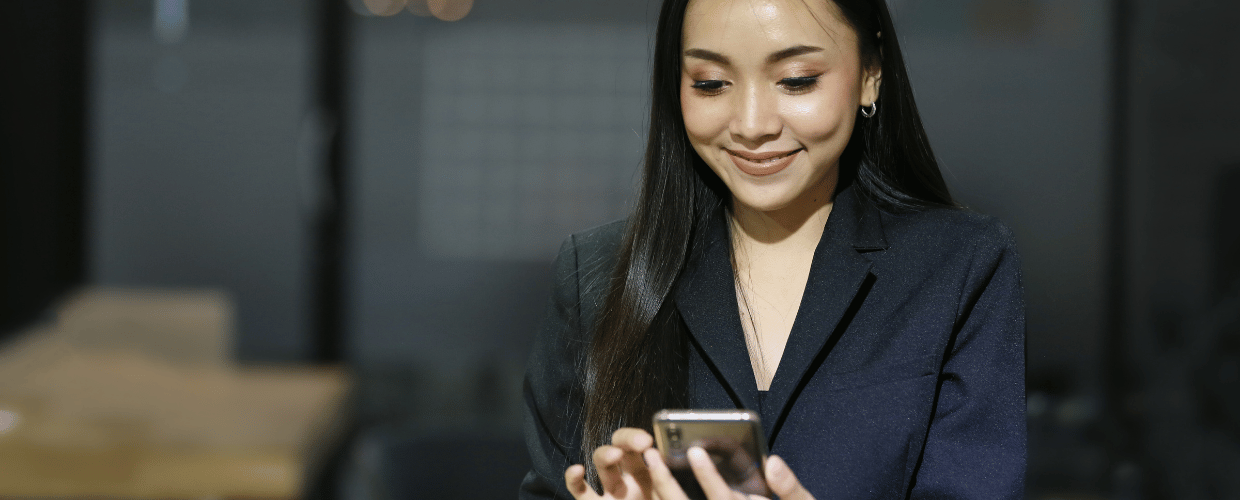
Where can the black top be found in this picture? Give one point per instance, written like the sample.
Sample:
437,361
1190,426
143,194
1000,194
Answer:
903,375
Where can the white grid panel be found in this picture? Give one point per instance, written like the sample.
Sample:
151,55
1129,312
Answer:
529,133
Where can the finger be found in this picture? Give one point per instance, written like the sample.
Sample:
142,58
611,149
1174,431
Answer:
661,478
631,439
634,442
783,482
708,477
610,473
575,480
635,468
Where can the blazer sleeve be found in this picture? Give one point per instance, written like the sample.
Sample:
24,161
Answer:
551,390
976,443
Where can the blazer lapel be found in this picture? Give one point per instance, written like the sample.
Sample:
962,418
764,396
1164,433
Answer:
839,277
705,296
706,299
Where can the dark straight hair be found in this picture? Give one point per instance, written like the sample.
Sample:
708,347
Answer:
636,363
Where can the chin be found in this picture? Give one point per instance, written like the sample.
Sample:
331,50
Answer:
761,202
774,196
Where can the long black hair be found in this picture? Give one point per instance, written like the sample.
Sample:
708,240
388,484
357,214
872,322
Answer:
636,362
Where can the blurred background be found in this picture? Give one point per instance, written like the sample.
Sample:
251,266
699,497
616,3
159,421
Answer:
340,214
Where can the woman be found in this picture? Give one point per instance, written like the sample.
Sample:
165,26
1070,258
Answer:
794,251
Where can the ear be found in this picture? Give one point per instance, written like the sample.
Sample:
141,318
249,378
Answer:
872,76
871,83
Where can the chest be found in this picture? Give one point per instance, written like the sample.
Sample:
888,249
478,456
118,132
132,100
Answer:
768,298
853,400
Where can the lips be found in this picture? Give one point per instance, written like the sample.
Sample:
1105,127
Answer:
760,164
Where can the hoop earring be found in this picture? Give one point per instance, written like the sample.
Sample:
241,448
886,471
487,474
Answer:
872,109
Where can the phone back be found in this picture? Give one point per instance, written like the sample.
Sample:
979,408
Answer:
732,438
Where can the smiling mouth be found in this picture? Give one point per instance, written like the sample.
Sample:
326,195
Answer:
763,157
762,164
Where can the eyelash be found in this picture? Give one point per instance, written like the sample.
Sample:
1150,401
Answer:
795,85
708,87
800,84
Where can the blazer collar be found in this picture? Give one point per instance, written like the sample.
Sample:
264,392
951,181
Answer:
705,296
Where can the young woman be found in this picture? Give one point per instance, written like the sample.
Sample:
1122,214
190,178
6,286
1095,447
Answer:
794,251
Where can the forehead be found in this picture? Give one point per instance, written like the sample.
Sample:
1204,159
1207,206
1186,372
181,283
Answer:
756,24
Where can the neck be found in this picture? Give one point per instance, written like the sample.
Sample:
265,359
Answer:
796,227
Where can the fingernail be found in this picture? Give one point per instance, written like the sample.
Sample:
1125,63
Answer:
697,453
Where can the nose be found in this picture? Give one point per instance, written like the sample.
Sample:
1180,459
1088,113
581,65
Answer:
755,118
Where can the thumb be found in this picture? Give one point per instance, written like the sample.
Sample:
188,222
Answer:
783,482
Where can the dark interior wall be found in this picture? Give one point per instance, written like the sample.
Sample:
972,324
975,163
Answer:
1185,130
519,89
1224,236
204,171
43,149
1181,381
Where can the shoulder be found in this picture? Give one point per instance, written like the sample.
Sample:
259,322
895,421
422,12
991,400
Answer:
949,229
597,242
589,252
584,267
947,243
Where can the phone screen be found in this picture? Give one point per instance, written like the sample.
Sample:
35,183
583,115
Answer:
732,438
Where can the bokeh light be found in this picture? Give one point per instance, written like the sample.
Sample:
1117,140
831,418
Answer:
450,10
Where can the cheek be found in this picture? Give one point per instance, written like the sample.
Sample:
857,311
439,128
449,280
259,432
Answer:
819,119
704,118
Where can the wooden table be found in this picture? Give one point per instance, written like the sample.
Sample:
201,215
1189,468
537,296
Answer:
123,424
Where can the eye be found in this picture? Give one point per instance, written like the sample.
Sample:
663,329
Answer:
709,87
799,83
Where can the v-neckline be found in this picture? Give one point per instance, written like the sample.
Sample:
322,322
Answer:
706,299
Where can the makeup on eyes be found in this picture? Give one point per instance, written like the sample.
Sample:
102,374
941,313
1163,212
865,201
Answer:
791,74
709,85
795,85
800,84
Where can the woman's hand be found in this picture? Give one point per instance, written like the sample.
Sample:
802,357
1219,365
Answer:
632,469
779,478
621,469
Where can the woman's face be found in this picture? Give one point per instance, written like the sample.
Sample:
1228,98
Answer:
770,90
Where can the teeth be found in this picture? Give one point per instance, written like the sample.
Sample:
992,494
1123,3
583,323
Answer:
775,158
768,160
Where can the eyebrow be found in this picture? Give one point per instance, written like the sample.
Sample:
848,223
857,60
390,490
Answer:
709,56
775,57
793,51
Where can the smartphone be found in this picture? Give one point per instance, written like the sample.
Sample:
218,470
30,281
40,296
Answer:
733,439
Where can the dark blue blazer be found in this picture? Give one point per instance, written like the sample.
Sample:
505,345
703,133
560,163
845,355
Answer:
903,376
